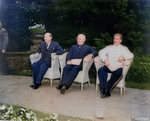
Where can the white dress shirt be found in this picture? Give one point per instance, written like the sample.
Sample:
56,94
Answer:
112,53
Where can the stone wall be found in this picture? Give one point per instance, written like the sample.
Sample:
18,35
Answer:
19,61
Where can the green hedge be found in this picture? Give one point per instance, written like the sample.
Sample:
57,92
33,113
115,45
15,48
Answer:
140,70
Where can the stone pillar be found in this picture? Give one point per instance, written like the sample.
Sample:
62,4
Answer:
37,39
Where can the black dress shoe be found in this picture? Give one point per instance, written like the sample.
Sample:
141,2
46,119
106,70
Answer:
32,85
107,94
103,95
36,86
63,89
58,87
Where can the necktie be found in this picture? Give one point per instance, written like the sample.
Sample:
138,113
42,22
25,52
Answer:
46,45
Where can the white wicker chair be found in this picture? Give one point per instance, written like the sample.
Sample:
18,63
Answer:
35,57
126,65
53,72
62,61
83,75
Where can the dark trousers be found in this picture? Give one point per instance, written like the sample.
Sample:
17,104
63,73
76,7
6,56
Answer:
70,72
39,69
3,63
102,74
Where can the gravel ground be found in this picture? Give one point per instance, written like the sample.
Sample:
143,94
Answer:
134,105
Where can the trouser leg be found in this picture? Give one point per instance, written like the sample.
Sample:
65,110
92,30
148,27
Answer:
114,77
35,70
43,68
3,63
70,72
39,69
102,74
66,71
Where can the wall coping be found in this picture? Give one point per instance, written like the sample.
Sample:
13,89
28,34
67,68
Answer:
19,53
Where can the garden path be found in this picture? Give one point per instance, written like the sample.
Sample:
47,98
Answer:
87,104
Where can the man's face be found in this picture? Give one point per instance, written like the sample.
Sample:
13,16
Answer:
117,40
47,38
81,39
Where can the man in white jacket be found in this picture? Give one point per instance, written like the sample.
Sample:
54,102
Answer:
113,57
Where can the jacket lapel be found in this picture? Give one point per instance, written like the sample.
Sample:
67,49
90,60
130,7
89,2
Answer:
50,46
45,46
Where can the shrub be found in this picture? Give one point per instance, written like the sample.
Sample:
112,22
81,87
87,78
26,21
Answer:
140,70
37,28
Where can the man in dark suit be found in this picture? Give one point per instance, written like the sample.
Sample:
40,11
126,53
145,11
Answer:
3,45
40,67
71,70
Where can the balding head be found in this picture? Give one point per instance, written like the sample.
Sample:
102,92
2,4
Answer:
47,37
81,39
48,33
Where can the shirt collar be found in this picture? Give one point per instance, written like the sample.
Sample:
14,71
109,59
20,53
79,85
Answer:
48,43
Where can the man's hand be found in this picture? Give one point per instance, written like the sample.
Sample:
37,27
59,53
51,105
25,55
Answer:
88,57
3,51
107,63
69,62
120,59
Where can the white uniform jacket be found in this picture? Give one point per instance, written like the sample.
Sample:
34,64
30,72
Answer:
112,53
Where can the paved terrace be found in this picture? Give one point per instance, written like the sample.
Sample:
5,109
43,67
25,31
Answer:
133,105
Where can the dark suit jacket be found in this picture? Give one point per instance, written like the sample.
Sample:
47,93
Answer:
3,39
79,53
54,47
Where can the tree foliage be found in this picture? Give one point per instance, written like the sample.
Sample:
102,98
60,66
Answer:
14,21
99,19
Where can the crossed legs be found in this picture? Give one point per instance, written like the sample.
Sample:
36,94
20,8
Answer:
105,85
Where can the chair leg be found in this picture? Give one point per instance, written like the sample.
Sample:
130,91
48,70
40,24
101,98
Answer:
96,87
120,91
81,86
51,82
124,88
89,83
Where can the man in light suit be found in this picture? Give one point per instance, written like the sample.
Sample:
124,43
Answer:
40,67
113,57
3,45
77,52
